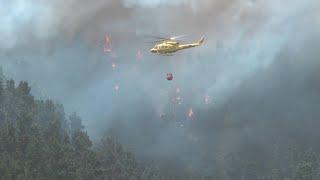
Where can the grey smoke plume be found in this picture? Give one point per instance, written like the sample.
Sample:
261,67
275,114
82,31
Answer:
255,52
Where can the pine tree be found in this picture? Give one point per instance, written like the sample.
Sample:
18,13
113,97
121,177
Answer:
85,159
8,143
116,162
58,152
35,161
75,123
24,100
9,104
150,172
307,168
2,95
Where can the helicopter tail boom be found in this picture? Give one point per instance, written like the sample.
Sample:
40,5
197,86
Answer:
201,40
185,46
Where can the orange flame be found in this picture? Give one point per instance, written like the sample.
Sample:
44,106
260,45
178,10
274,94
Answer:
113,65
107,44
190,113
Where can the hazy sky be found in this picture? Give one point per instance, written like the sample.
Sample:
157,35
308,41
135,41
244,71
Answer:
252,48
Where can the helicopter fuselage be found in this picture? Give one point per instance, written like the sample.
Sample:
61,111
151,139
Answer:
171,46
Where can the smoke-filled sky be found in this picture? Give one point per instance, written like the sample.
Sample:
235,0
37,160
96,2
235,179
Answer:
259,57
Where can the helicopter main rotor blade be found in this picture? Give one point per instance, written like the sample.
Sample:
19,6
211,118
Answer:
161,39
178,37
157,41
157,37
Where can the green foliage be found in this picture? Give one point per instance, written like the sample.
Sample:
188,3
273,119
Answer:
304,171
85,160
117,163
151,172
307,168
38,142
75,123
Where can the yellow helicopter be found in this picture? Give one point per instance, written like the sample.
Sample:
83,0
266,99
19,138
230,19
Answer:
167,46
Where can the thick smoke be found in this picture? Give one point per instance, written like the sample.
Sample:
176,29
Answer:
259,62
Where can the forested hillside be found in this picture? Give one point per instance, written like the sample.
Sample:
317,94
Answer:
38,141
